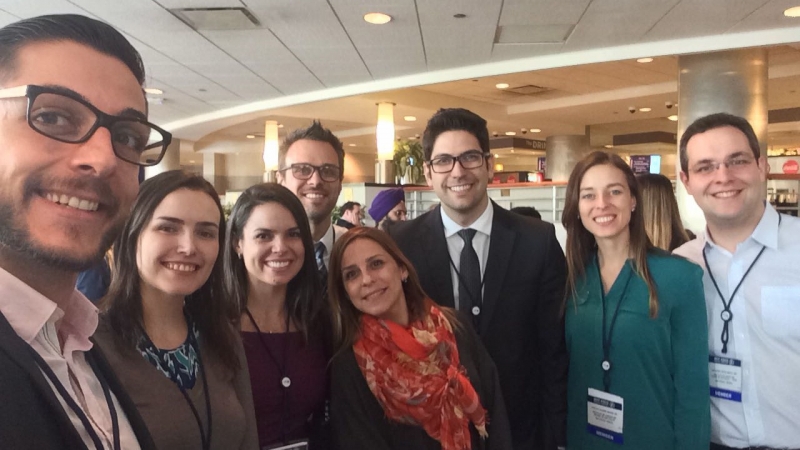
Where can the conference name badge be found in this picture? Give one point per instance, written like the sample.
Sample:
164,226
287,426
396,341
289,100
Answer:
604,415
725,378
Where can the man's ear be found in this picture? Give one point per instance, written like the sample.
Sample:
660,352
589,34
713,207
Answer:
684,179
428,175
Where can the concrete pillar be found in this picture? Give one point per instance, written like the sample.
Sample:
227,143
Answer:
171,160
732,81
563,152
214,170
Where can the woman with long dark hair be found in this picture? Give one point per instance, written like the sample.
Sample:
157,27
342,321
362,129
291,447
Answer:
407,374
167,327
271,276
635,322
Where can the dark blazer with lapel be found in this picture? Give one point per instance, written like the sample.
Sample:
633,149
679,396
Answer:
520,323
31,416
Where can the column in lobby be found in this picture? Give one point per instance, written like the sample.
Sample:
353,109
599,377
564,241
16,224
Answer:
171,160
734,82
563,152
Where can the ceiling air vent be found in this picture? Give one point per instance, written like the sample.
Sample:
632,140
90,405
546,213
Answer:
528,89
202,19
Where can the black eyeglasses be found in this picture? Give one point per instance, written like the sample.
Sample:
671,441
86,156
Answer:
302,171
471,159
62,115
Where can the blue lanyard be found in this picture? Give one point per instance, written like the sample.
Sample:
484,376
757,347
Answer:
606,364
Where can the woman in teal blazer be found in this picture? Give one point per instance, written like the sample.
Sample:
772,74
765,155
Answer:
636,325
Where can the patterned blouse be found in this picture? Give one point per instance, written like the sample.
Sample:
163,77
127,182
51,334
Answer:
179,364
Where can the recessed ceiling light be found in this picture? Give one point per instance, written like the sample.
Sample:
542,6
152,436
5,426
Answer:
536,130
251,136
154,91
501,85
496,155
511,133
673,117
351,145
608,146
644,60
377,18
280,125
409,118
645,109
191,161
792,12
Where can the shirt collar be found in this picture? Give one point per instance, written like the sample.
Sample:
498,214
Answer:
327,239
482,224
27,311
765,233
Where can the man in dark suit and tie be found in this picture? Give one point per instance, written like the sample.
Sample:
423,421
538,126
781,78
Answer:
503,272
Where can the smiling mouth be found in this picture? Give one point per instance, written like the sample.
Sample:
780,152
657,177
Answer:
604,219
725,194
373,294
460,187
181,267
313,196
72,202
277,264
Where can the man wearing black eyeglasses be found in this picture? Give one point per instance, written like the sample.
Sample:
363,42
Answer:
311,164
503,272
73,135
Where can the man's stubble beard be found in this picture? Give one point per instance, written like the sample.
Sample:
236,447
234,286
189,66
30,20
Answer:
17,239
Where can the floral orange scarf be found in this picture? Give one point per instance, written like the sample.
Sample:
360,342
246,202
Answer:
417,378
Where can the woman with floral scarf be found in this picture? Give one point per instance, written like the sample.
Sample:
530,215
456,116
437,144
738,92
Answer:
407,374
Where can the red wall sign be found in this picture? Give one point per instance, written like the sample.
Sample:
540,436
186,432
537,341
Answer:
790,166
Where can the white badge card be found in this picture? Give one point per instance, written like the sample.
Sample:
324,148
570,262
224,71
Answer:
604,415
725,378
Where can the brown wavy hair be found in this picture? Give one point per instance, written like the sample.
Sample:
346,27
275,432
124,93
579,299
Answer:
348,324
581,244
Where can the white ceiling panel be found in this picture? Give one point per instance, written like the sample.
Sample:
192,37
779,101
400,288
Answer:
173,4
542,12
451,42
27,8
388,50
7,18
616,22
702,18
770,15
313,32
264,54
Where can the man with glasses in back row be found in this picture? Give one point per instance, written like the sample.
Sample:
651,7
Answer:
751,258
503,272
73,134
311,162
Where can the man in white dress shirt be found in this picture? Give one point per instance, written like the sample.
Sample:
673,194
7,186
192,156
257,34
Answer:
751,257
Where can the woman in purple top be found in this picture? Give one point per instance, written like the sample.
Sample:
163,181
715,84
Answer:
271,273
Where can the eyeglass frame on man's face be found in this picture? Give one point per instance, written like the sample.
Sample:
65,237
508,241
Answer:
297,166
102,119
482,157
735,162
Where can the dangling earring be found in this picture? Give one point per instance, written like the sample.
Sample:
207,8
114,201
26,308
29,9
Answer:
405,280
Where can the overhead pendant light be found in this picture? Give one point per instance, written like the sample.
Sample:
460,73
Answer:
384,132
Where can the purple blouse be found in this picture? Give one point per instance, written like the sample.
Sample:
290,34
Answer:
283,413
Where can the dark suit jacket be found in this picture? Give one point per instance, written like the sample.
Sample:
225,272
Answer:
520,323
31,416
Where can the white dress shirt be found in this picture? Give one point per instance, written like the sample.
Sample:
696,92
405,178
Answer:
483,226
334,231
61,338
764,331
